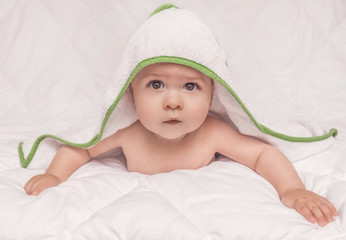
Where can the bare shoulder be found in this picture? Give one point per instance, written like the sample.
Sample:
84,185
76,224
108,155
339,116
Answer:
218,133
218,126
225,135
113,141
123,134
231,143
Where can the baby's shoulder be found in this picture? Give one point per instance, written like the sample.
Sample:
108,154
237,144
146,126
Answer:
129,130
217,126
215,123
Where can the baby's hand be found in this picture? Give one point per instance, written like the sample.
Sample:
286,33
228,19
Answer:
311,206
40,182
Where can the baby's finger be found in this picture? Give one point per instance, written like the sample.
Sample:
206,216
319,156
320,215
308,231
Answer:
36,192
327,212
318,214
306,213
37,189
28,187
333,210
324,202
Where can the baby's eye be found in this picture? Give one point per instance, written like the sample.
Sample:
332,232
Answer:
156,84
190,86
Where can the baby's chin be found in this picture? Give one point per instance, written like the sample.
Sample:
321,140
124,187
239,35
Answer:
172,132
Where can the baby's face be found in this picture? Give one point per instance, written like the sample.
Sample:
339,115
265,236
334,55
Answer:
171,100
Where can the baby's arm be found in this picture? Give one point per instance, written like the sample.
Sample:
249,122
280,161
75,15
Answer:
278,170
271,164
66,162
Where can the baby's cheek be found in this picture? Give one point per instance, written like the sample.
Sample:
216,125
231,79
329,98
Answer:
199,114
146,112
145,105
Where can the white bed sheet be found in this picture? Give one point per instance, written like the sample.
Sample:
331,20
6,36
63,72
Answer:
56,59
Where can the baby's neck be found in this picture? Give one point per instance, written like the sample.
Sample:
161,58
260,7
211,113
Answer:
169,142
163,142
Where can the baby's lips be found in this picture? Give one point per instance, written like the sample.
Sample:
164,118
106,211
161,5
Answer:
172,121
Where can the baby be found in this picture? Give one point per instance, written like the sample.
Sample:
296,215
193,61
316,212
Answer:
174,131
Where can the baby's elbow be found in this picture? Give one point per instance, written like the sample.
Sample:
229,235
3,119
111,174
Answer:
266,151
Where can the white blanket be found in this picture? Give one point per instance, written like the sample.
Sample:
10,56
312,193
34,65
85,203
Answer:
57,58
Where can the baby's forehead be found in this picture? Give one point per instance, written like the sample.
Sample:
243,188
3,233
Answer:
171,69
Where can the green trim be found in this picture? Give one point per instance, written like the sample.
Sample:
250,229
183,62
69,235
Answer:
162,7
24,162
168,59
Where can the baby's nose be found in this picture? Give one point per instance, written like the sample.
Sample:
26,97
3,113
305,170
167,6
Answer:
173,101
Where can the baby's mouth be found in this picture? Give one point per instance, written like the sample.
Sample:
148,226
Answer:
172,121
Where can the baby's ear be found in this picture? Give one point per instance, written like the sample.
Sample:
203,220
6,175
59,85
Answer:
130,89
212,91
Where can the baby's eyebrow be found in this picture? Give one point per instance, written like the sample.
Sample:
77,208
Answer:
201,78
153,75
194,78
